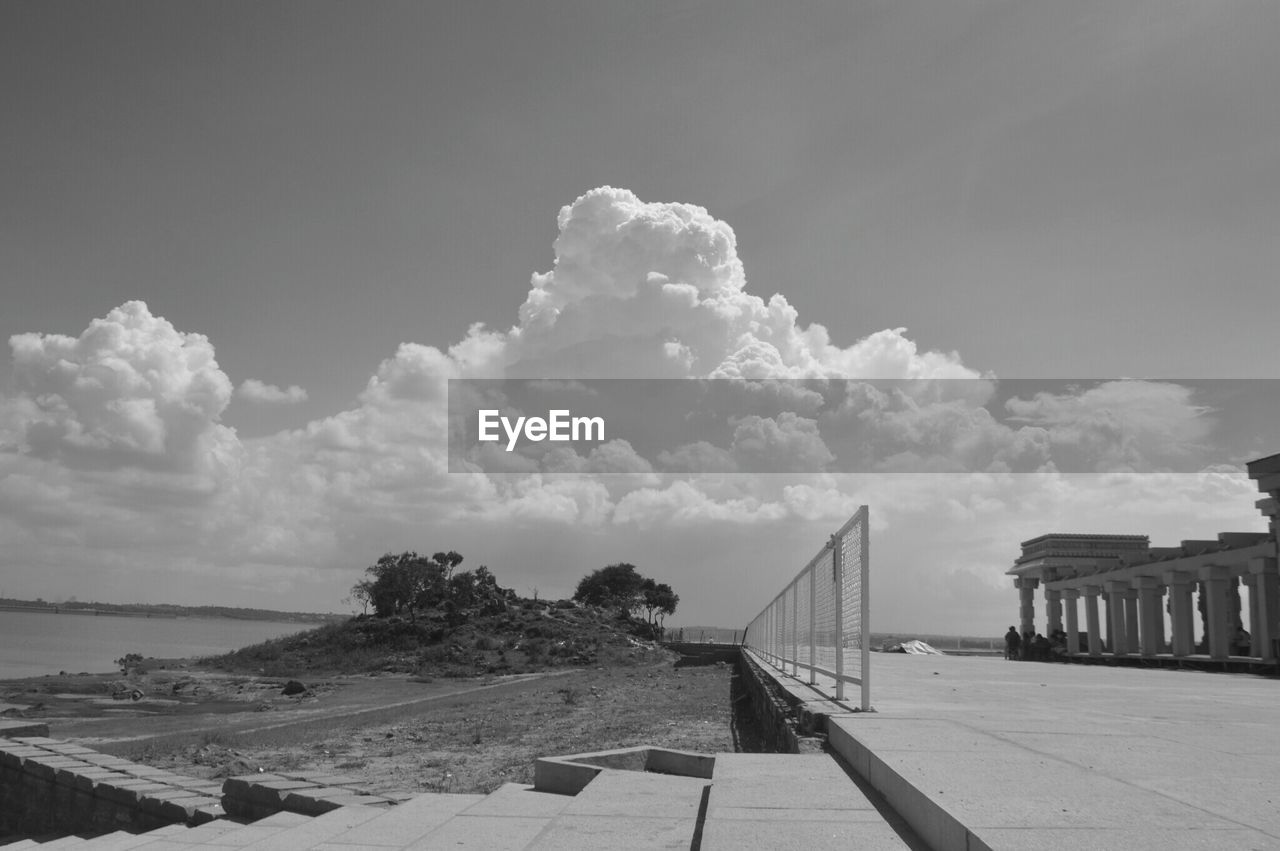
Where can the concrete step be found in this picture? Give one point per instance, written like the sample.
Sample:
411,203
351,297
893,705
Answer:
627,809
121,840
403,825
319,829
181,836
519,799
263,830
507,819
791,801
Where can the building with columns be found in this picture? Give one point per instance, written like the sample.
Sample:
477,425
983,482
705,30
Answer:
1127,586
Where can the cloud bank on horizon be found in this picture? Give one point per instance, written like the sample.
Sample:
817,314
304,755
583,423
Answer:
114,460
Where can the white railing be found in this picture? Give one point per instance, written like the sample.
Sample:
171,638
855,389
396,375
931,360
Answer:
820,622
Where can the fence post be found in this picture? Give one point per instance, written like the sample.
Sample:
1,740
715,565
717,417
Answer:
837,577
795,628
865,579
782,631
813,626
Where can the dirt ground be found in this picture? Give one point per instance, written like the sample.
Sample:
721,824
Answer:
394,733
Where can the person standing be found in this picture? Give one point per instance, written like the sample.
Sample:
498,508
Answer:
1012,644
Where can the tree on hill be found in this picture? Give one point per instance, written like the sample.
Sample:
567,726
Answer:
621,585
658,601
616,585
408,583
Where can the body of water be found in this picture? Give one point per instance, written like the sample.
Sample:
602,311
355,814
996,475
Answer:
37,643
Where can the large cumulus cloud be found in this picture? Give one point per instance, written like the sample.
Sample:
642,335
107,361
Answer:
657,290
130,391
113,441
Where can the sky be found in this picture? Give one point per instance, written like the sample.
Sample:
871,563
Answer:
244,246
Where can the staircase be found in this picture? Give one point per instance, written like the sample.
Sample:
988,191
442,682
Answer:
749,800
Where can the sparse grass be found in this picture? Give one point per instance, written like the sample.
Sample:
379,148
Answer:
472,743
212,737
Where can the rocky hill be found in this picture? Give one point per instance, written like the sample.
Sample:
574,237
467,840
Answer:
525,635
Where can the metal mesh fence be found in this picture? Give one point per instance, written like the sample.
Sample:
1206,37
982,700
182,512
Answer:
818,625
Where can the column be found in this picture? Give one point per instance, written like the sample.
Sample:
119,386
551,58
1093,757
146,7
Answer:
1053,609
1150,598
1119,632
1027,593
1181,613
1250,581
1110,641
1202,595
1233,604
1131,636
1267,583
1073,624
1215,578
1091,619
1157,620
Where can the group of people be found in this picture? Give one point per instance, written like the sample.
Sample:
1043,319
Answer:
1034,647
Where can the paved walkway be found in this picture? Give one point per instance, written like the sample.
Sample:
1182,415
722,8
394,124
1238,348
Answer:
980,753
773,801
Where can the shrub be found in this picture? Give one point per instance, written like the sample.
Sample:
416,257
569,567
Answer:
129,660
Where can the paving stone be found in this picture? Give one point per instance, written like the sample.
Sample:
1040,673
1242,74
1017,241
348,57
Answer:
784,781
120,841
987,754
1145,839
595,832
488,833
792,835
634,793
319,829
245,835
408,822
283,819
518,799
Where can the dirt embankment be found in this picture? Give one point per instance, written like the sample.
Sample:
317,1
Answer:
395,732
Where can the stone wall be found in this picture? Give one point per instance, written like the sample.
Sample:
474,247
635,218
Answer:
785,723
52,786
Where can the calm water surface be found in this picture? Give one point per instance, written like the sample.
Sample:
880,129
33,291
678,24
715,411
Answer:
36,643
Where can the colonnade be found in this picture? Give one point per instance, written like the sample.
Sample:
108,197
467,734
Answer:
1135,599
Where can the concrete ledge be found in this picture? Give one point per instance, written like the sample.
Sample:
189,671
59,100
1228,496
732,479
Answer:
568,775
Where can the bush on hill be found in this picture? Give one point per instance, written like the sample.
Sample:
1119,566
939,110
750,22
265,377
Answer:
528,636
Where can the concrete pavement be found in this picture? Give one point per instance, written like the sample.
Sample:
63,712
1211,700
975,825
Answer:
980,753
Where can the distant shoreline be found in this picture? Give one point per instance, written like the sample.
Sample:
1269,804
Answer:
63,610
166,611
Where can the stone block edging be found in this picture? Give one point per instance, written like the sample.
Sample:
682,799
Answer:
256,796
49,784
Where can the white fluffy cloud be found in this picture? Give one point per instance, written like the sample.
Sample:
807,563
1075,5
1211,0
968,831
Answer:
112,449
130,391
1124,424
658,291
253,390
